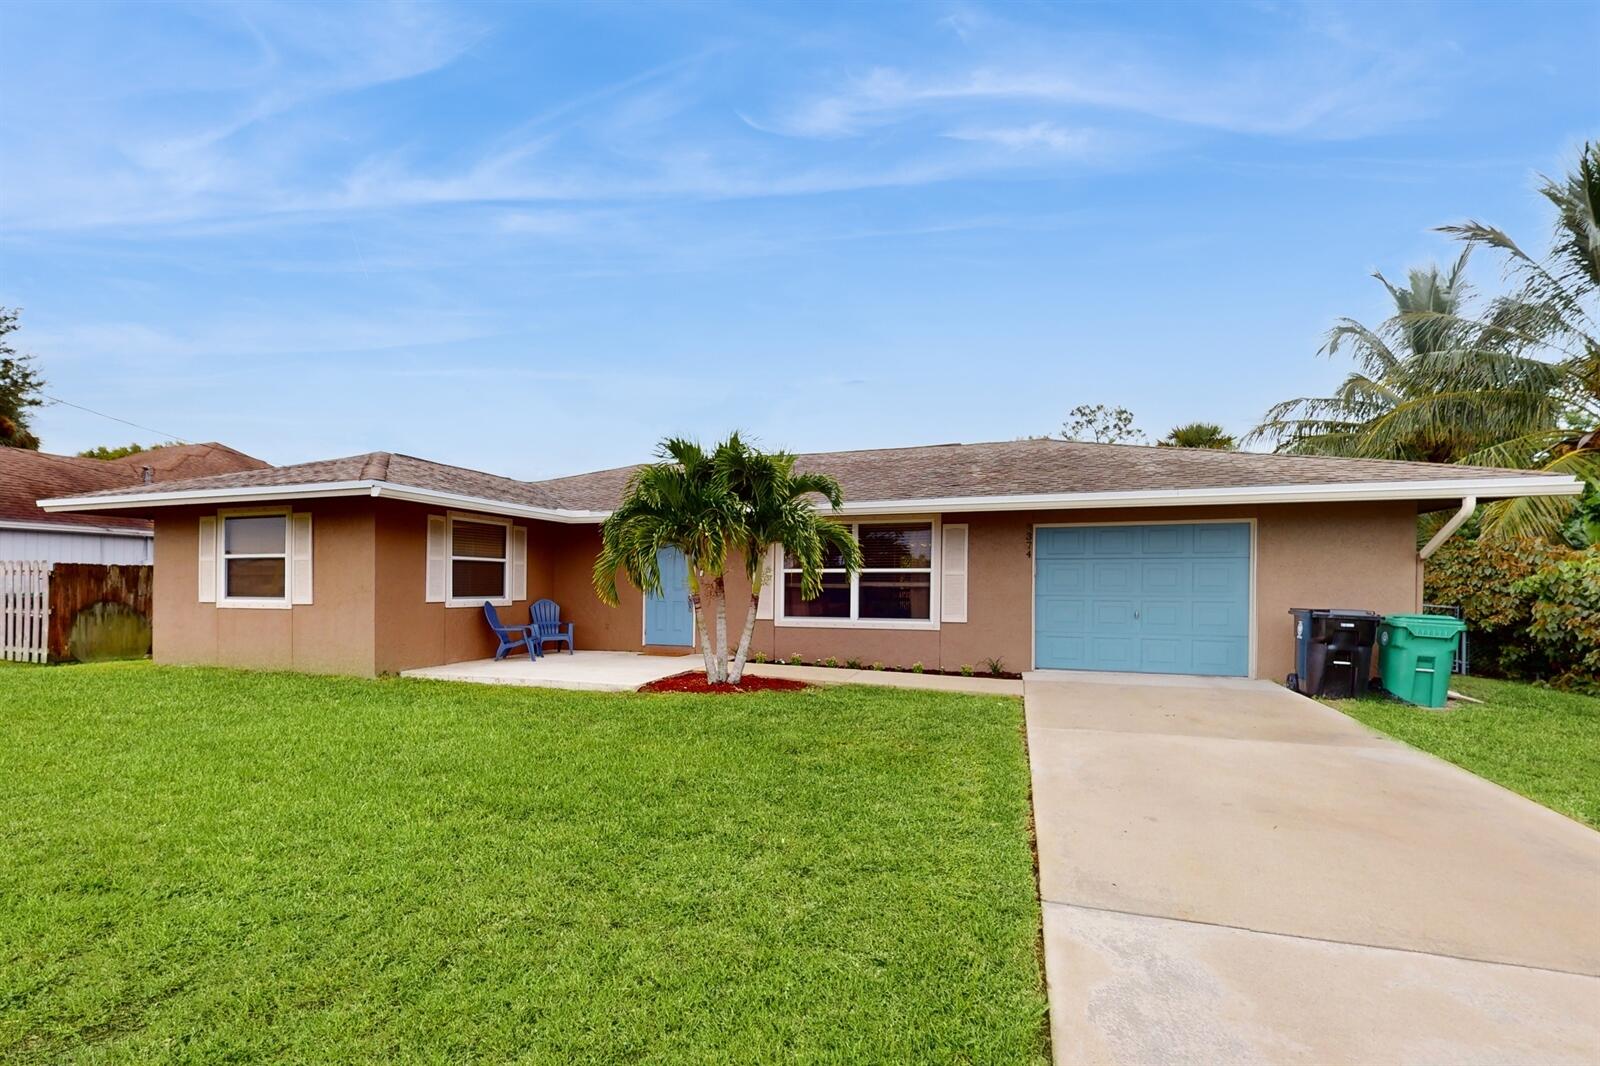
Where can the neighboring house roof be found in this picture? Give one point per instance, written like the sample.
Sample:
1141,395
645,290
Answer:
1007,475
27,476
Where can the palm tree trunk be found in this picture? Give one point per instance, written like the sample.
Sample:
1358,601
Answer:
736,674
705,637
719,590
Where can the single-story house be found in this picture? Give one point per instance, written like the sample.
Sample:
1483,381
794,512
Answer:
30,534
1039,553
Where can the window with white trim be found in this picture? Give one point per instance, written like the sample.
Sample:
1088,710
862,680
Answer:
479,559
894,584
255,559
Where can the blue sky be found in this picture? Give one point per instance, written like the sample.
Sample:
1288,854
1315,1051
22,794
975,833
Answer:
535,239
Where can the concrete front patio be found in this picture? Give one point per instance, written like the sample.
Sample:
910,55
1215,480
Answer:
592,671
625,671
1233,873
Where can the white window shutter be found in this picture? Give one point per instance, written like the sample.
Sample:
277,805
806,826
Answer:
208,560
438,558
300,558
519,562
953,575
769,575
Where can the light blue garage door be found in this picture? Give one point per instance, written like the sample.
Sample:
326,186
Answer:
1166,599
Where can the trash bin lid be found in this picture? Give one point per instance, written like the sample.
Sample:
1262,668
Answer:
1439,626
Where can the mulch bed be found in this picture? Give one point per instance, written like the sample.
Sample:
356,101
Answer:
695,681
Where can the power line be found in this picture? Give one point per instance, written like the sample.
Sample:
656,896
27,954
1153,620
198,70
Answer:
114,418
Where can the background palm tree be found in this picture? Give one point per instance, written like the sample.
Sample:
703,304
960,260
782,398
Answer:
777,510
1518,385
1199,435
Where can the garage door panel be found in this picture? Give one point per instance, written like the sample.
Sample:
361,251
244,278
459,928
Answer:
1165,540
1059,615
1151,598
1114,540
1165,617
1165,577
1063,577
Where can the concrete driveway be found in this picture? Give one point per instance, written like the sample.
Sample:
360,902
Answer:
1232,873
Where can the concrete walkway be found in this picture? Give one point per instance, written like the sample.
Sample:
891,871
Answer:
1233,873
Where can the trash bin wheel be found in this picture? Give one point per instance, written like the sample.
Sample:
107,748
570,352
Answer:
1292,682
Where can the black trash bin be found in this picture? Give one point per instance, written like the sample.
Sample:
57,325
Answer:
1333,651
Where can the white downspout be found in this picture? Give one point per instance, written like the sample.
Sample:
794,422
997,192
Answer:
1468,505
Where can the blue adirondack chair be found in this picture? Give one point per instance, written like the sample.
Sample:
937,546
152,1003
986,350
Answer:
510,637
546,617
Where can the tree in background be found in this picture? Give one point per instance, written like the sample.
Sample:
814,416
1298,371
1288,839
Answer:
1199,435
1099,424
120,451
1517,385
20,387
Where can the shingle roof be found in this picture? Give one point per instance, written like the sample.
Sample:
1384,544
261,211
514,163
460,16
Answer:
1047,467
371,466
26,476
1005,468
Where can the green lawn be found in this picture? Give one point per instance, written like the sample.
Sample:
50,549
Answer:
208,865
1537,741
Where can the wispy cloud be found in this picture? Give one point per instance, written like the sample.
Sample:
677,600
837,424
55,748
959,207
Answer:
1045,135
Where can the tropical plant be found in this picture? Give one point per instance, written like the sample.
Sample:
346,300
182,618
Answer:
1199,435
710,506
20,388
1566,618
120,451
677,502
1516,385
1099,424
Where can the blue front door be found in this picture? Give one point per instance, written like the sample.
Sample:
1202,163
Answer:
669,617
1160,599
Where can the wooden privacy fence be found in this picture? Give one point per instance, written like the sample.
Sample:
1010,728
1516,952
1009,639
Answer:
24,611
82,611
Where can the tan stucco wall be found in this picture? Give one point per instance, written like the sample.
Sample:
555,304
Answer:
1307,555
412,632
369,615
332,634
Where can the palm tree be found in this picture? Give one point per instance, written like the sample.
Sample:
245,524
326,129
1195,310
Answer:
1199,435
1518,385
678,502
708,506
776,510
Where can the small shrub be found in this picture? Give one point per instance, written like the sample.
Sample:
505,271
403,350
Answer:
830,662
877,665
853,664
759,657
797,660
996,666
1565,622
916,668
966,671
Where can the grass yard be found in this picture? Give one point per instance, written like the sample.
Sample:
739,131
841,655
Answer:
208,864
1537,741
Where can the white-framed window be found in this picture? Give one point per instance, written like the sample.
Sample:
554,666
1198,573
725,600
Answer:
253,559
896,587
480,560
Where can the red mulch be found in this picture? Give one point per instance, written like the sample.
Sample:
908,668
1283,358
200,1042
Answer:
695,681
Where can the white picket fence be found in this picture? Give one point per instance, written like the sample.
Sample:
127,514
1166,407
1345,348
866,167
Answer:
24,611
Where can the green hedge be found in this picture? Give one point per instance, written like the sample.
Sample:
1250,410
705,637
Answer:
1530,606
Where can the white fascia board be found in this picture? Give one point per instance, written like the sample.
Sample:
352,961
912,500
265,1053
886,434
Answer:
84,530
183,497
313,491
1442,489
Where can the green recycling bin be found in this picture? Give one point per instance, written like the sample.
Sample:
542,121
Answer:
1415,655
